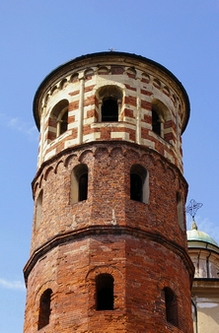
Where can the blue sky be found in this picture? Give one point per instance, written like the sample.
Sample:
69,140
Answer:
36,36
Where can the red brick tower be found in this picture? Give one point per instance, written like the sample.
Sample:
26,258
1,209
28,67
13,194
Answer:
109,249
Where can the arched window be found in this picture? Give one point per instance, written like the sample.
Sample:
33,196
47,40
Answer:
104,292
45,308
82,186
79,183
180,211
38,213
156,123
63,122
171,306
161,120
109,109
139,183
58,121
109,101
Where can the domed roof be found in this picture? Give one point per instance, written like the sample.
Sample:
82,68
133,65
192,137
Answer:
200,236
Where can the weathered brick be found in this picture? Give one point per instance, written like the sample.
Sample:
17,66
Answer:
140,244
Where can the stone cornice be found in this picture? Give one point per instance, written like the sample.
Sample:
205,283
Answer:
205,287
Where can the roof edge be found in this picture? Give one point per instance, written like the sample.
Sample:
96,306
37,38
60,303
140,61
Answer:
109,53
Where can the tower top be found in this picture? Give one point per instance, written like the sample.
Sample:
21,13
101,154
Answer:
98,59
111,96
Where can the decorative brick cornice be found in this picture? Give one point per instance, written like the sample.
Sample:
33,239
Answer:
94,145
99,58
106,230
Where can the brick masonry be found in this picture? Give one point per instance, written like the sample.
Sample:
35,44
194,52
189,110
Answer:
142,245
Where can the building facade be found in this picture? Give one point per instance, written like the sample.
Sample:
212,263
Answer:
109,247
204,252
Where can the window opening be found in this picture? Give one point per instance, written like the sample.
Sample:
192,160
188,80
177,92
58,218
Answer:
156,124
139,184
136,187
180,211
104,292
83,182
64,123
109,109
38,216
171,306
161,121
45,309
58,121
79,183
109,100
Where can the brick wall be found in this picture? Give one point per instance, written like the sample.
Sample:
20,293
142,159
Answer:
141,244
145,243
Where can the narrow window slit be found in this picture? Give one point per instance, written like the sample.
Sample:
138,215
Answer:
45,309
104,292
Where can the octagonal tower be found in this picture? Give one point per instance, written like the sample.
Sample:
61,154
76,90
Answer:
109,248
